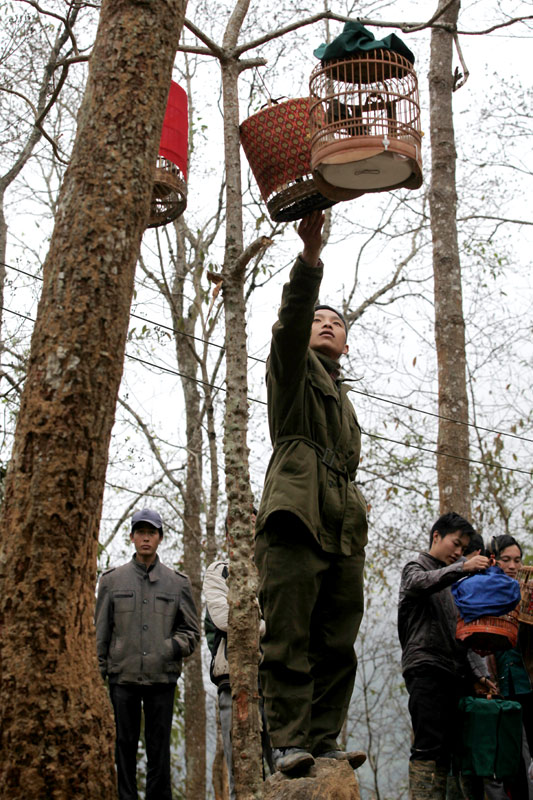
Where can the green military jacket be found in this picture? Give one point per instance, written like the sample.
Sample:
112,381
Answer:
313,427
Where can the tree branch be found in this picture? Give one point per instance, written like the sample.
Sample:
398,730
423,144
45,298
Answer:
495,27
251,251
213,47
495,219
151,441
128,511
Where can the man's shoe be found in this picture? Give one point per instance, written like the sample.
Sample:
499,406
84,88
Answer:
354,757
292,759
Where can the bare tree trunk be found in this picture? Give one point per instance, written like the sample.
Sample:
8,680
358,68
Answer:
195,716
452,467
55,721
243,634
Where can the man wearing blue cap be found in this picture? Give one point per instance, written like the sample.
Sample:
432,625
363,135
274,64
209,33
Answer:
146,623
311,527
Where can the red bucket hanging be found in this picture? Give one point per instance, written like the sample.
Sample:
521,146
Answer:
169,193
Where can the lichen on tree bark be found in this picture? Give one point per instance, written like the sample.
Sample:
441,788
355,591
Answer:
55,721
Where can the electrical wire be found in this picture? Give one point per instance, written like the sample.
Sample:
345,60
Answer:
365,433
356,391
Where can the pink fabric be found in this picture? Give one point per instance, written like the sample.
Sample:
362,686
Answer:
175,133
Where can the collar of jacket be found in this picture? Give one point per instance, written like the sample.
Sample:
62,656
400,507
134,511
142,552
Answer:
332,367
430,560
153,569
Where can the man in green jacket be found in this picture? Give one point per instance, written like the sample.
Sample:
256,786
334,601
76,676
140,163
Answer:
311,527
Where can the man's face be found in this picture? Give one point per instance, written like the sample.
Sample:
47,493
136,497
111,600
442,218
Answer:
146,539
328,334
450,547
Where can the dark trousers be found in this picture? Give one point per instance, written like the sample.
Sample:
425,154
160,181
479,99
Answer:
433,699
158,704
312,603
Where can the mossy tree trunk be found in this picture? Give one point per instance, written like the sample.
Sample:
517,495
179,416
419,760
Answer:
55,720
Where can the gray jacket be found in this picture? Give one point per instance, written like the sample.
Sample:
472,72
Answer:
427,618
146,623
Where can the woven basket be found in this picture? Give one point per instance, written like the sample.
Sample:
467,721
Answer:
276,144
525,609
489,634
365,125
169,194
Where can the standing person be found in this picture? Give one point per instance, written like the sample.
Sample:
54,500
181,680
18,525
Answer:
513,669
311,528
215,590
438,670
146,623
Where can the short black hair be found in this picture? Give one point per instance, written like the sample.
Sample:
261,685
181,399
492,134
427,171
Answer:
500,543
449,523
476,543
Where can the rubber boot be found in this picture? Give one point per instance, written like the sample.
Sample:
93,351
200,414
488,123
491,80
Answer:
453,790
471,787
426,781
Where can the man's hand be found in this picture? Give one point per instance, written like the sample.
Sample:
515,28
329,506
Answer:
476,563
310,232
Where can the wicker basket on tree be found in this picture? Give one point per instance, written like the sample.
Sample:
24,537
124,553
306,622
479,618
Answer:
276,143
525,579
364,116
169,193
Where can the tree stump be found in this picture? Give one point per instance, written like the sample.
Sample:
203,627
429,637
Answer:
326,780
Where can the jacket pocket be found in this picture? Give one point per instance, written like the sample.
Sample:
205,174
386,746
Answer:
124,601
165,603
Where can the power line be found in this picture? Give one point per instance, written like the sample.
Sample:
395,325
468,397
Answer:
143,319
441,416
357,391
370,435
449,455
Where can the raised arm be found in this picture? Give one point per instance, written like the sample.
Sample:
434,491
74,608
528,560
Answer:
310,232
290,334
418,581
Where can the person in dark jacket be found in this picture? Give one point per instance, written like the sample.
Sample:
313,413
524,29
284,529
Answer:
311,529
146,623
437,669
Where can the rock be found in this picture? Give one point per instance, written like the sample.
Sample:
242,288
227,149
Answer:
326,780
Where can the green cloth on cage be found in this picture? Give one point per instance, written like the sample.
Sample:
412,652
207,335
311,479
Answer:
355,38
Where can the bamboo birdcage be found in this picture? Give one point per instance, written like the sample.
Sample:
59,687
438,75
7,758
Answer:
276,143
365,125
489,634
525,609
169,191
